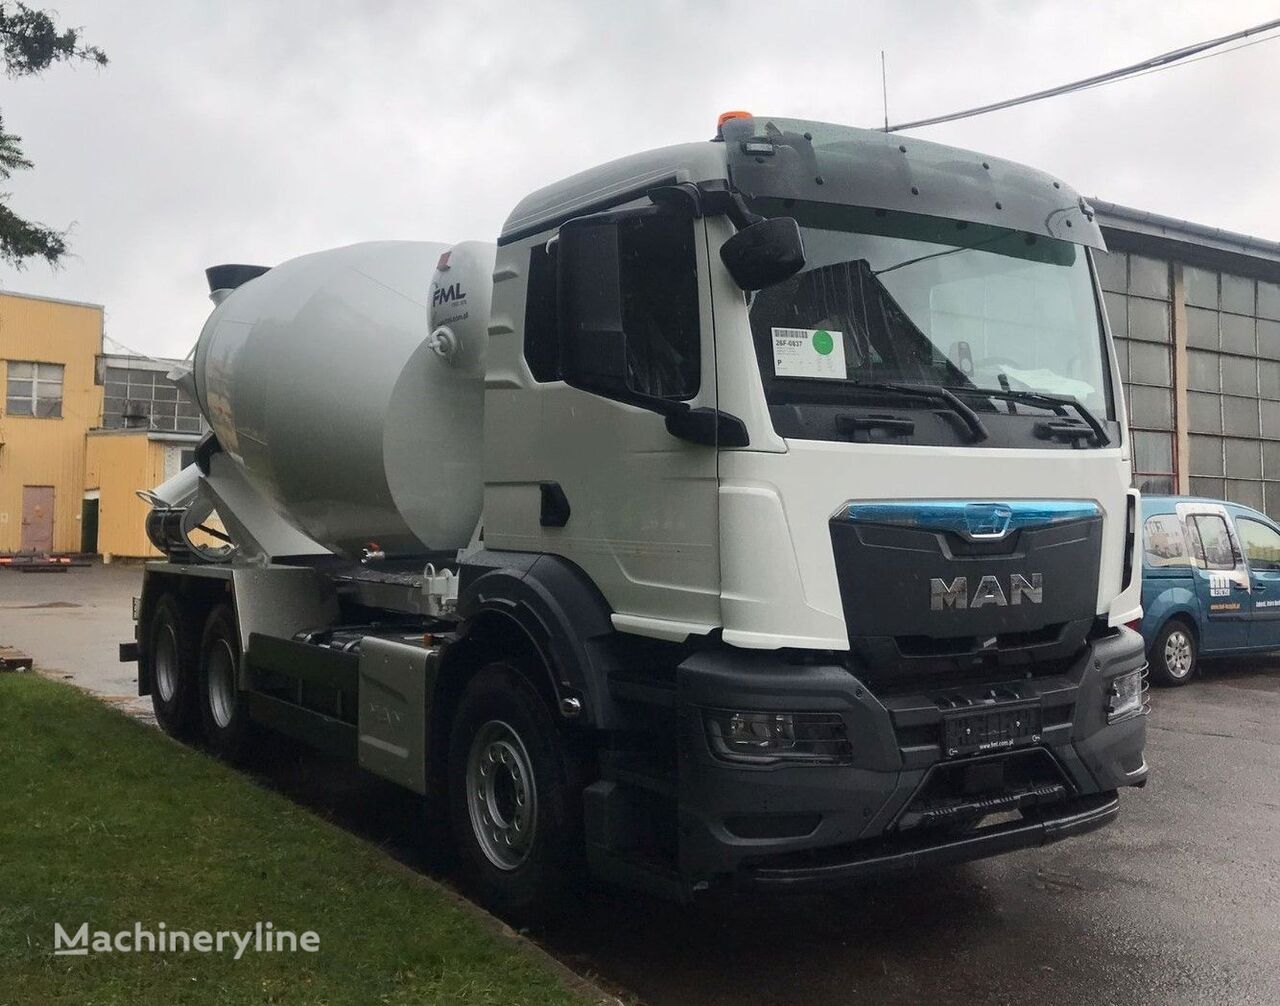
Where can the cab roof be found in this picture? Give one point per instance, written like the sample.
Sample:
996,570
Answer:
796,159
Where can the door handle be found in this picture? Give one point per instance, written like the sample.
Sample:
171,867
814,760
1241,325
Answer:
1260,588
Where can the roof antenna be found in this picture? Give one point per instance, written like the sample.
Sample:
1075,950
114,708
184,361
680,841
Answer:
884,90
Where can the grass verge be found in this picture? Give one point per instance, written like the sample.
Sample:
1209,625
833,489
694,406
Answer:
107,822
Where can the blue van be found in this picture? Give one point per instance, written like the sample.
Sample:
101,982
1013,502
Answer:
1210,583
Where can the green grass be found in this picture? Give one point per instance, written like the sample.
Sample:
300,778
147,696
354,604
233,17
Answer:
105,821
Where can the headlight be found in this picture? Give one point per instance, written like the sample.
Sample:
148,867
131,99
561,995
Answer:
1127,695
768,738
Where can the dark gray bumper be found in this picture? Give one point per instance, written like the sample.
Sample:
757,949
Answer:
751,820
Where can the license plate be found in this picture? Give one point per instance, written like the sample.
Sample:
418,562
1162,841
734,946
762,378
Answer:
990,728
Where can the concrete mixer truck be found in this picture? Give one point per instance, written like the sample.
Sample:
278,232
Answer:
754,512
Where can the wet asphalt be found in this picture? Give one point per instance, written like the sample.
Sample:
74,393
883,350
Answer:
1177,902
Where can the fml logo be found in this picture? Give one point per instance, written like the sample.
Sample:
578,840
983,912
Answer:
449,294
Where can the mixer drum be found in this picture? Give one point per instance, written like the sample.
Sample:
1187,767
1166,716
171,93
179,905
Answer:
321,378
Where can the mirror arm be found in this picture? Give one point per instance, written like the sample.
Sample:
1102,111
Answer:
719,199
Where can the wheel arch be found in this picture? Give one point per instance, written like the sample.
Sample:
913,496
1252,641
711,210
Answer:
1187,618
194,596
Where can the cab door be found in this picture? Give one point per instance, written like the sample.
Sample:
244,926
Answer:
639,502
1221,577
1260,541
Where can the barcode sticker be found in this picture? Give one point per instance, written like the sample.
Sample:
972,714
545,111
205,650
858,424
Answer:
808,352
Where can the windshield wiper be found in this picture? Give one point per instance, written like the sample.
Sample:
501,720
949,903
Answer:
1056,403
936,393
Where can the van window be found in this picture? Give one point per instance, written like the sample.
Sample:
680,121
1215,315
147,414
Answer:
1163,542
1212,542
1260,542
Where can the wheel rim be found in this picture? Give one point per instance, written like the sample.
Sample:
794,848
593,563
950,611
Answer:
502,798
1178,653
221,670
165,662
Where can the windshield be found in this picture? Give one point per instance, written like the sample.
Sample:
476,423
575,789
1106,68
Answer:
896,297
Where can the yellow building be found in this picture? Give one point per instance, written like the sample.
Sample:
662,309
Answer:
117,464
48,349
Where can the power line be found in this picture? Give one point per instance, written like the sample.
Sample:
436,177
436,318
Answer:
1162,62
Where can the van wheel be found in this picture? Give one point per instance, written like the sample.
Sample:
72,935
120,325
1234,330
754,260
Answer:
172,649
1173,654
224,708
515,796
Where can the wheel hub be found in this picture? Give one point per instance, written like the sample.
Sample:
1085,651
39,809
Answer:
222,683
502,798
1177,654
165,662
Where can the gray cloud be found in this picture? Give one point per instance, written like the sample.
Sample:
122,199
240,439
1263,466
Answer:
246,131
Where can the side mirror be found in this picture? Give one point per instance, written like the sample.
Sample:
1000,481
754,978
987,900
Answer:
593,342
764,253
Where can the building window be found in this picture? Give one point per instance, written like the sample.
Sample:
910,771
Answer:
1137,292
137,398
34,389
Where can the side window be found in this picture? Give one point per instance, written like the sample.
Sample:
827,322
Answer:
541,339
1214,550
660,306
1261,543
1163,542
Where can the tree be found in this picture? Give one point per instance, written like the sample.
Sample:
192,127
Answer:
30,43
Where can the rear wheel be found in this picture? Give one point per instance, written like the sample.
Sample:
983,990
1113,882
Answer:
515,794
172,656
1173,654
224,708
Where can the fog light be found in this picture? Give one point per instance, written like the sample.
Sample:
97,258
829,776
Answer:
1127,696
768,738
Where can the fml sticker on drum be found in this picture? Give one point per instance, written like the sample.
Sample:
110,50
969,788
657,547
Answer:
808,352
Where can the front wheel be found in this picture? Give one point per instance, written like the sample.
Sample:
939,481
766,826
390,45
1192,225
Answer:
1173,654
515,796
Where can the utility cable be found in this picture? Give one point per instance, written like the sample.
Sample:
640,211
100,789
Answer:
1162,62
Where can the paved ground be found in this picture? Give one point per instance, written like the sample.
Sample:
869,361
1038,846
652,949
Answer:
72,623
1177,903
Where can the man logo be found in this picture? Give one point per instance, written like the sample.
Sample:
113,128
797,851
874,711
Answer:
955,594
988,521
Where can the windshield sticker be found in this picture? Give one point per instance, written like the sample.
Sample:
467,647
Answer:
808,352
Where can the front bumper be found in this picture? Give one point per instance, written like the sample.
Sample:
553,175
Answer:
842,866
784,823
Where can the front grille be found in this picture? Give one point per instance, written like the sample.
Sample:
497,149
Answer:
962,793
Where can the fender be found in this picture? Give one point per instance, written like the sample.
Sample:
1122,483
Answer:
562,612
1158,608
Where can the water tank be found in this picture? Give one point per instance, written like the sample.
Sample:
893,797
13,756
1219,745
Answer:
349,384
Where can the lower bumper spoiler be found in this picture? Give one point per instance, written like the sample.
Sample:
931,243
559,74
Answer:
1074,817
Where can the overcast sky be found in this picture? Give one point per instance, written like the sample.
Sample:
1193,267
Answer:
255,131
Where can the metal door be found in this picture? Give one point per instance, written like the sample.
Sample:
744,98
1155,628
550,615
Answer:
89,526
37,519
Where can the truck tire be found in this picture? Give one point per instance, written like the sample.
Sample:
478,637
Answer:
172,649
224,708
515,796
1173,654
